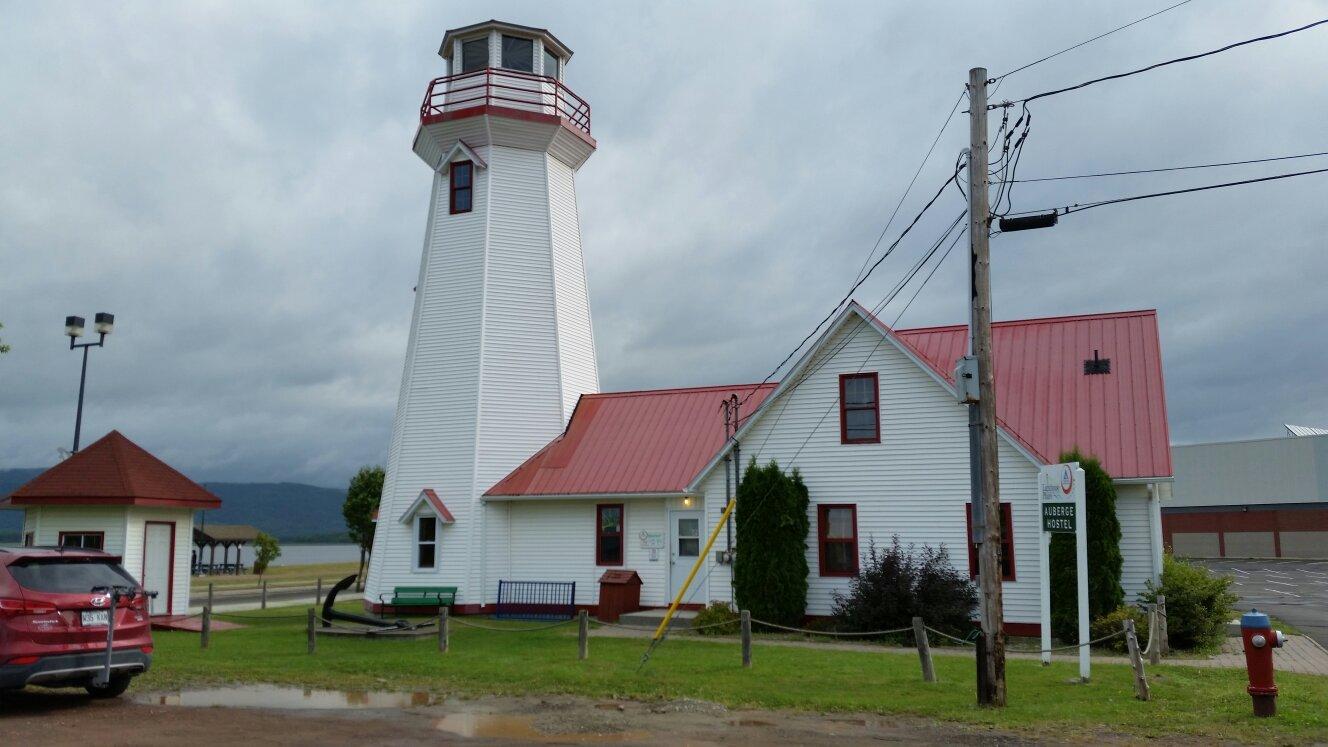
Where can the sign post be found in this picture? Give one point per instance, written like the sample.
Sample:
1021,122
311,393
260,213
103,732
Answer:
1061,488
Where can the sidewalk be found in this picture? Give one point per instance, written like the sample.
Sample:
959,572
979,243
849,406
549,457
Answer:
1300,654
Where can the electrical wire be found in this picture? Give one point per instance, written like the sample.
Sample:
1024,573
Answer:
1003,76
1168,168
1155,66
1080,207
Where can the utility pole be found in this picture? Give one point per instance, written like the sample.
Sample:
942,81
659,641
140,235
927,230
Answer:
982,415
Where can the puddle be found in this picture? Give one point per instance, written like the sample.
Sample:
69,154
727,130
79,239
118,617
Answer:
519,728
273,696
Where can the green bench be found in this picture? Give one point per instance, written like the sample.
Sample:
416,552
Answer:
420,596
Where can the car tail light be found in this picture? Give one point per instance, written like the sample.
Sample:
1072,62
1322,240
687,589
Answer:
22,660
145,649
138,602
16,607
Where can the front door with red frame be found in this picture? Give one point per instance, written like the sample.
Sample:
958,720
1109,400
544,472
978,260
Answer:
158,564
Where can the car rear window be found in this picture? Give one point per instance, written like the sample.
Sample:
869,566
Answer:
69,575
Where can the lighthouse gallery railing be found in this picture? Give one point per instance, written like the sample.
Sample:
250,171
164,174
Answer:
509,89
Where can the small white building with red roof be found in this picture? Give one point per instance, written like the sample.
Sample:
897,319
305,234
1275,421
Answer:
115,496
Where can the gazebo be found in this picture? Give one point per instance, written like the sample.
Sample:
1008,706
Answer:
227,536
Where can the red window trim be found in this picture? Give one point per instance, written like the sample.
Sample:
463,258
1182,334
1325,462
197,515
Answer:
60,539
823,527
621,535
170,573
843,409
1007,541
452,187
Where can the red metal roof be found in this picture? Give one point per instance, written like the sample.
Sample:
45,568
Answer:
631,442
113,471
1046,402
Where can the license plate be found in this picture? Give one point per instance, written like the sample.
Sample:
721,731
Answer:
94,618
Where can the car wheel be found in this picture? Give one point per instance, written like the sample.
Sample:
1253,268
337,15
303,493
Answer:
113,689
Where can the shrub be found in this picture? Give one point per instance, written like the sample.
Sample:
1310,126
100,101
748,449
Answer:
1199,603
1114,621
717,613
896,584
770,568
1104,557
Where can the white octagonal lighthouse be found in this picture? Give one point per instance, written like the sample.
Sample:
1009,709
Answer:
500,346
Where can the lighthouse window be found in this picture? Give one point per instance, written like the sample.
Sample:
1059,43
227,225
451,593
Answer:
550,64
518,53
426,542
462,175
475,54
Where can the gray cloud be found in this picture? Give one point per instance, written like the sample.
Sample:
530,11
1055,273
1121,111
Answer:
235,182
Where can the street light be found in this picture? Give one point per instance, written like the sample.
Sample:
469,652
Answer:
103,323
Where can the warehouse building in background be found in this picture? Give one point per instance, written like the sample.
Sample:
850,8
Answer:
1266,498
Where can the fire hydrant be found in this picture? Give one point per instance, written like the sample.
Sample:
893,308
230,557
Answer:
1260,639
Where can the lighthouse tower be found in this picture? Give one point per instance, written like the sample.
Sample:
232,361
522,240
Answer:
500,344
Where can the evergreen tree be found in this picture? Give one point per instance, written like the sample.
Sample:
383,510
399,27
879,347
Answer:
770,569
1104,556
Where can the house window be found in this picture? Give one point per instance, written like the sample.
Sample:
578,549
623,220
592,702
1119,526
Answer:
426,542
609,534
84,540
475,54
859,409
462,186
837,529
550,64
518,53
1007,543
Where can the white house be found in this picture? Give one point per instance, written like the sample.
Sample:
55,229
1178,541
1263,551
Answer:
115,496
506,464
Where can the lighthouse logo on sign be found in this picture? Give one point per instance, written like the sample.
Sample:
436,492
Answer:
1067,479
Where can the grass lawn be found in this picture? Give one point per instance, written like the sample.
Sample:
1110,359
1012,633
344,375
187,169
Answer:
1205,703
285,575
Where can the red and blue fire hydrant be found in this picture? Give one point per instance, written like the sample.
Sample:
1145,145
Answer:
1260,639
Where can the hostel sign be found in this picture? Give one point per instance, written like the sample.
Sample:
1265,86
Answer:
1061,495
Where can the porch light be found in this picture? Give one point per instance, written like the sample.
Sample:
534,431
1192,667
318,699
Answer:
104,322
687,501
74,326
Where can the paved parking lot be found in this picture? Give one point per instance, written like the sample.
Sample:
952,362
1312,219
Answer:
1294,590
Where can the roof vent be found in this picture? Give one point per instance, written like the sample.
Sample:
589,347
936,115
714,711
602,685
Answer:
1097,365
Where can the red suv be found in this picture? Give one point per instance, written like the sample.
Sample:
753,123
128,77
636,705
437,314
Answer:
54,608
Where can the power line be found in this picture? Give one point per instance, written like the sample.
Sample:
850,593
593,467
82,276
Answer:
848,296
1187,58
911,182
1169,168
1003,76
1077,207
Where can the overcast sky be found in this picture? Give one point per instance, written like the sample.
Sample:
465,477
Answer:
234,181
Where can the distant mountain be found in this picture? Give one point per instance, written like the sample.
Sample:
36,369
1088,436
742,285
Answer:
290,511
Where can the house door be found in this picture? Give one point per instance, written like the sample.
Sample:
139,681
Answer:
158,564
684,546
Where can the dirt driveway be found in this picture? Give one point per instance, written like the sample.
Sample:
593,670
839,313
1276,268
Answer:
39,717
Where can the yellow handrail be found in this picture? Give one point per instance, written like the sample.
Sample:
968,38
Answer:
724,517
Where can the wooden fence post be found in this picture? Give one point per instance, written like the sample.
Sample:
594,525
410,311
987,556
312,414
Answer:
318,592
209,603
1140,679
924,650
583,635
443,633
263,601
1154,637
205,632
745,626
313,634
1163,643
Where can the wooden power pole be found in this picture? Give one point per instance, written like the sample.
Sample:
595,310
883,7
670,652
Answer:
982,415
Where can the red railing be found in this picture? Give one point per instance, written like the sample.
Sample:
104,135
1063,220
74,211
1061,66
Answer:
510,89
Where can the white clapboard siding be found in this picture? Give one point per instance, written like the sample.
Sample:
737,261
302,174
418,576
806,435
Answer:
1134,511
576,341
555,541
49,521
914,484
